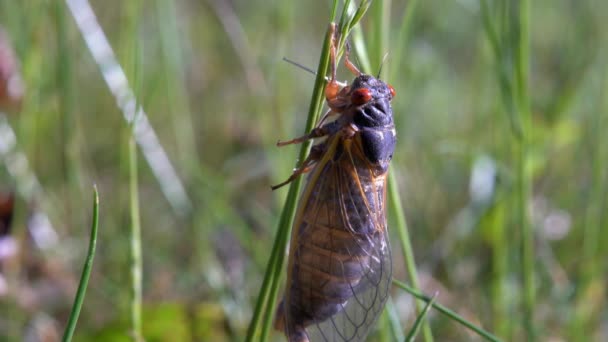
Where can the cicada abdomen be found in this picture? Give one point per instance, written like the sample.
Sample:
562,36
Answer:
340,268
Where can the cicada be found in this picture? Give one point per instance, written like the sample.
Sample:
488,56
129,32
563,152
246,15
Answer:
340,268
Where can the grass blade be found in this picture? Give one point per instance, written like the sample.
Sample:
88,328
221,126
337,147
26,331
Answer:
396,209
394,322
267,298
522,68
449,313
116,80
86,272
510,43
268,292
418,323
135,236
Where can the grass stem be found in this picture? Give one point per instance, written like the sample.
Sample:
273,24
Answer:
136,253
86,272
444,310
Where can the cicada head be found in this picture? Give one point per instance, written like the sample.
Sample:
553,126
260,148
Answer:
370,100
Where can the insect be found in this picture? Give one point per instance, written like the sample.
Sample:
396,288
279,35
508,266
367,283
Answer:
340,268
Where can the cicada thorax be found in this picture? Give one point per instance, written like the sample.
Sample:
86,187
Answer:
339,263
374,121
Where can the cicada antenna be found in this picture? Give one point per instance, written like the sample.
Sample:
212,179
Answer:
305,68
381,65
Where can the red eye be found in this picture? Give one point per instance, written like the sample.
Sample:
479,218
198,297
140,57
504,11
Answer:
392,90
360,96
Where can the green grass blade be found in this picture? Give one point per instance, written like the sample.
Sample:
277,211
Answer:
395,203
173,62
65,88
396,210
522,70
592,262
449,313
136,249
268,292
134,48
268,296
86,272
510,43
418,323
394,322
116,79
403,37
344,15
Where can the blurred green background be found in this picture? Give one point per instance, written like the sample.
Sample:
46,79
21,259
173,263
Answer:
210,76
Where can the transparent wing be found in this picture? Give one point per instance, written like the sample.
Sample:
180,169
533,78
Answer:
341,268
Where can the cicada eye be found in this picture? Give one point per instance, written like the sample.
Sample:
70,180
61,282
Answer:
392,90
360,96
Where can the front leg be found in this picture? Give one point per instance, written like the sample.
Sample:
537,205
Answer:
316,153
316,132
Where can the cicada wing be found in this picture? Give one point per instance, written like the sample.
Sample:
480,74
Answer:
358,197
358,315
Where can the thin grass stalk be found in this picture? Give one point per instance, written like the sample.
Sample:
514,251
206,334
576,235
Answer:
496,218
288,214
381,23
495,33
288,221
267,298
135,238
524,182
344,15
86,272
510,42
117,82
395,203
403,36
172,50
274,267
447,312
395,323
500,268
591,265
494,29
396,210
358,42
411,336
384,328
133,48
66,103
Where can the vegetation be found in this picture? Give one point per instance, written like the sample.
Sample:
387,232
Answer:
497,208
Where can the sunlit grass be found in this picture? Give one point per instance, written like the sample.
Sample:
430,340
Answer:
519,83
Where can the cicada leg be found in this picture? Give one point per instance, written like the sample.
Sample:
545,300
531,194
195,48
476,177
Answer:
315,154
349,65
316,132
336,94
